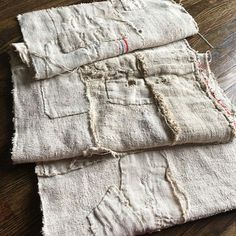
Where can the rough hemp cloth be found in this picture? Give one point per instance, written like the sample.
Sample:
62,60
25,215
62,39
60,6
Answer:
128,126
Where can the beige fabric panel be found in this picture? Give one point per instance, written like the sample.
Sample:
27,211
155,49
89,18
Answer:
62,39
157,93
140,193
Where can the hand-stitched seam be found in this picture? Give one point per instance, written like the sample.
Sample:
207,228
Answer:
130,104
218,103
177,190
204,85
88,44
48,113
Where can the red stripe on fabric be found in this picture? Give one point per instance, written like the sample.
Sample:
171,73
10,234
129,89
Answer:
217,100
126,44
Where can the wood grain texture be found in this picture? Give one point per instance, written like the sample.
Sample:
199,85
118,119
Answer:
20,213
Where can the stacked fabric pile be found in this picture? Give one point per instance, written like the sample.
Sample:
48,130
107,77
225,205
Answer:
129,129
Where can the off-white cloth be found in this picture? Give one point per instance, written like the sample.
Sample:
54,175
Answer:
63,39
168,96
128,125
165,92
139,193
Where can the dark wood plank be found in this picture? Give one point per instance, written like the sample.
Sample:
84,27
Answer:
19,202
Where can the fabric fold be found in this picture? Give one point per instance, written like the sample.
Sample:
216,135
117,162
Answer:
127,124
95,62
62,39
168,95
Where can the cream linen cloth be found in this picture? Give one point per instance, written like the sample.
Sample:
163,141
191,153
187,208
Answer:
138,193
164,92
128,125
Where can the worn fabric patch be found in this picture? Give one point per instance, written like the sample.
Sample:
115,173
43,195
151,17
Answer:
140,193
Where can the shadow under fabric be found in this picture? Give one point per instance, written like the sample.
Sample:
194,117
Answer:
130,130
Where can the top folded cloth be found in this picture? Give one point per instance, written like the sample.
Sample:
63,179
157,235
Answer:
65,38
98,102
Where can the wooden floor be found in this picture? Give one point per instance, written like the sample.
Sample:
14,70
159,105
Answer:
19,202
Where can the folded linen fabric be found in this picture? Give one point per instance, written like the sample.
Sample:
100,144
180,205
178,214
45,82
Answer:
63,39
126,121
138,193
167,93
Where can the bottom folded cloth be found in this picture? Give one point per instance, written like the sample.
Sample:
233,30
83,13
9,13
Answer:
138,193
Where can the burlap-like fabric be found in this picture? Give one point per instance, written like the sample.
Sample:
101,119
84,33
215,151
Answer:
62,39
139,193
165,94
130,129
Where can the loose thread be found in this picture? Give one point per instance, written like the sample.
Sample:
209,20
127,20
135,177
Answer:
205,40
209,55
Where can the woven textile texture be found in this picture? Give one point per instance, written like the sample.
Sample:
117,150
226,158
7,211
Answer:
128,126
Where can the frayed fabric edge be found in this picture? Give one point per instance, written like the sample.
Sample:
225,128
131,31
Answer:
160,101
91,156
231,118
42,209
14,93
